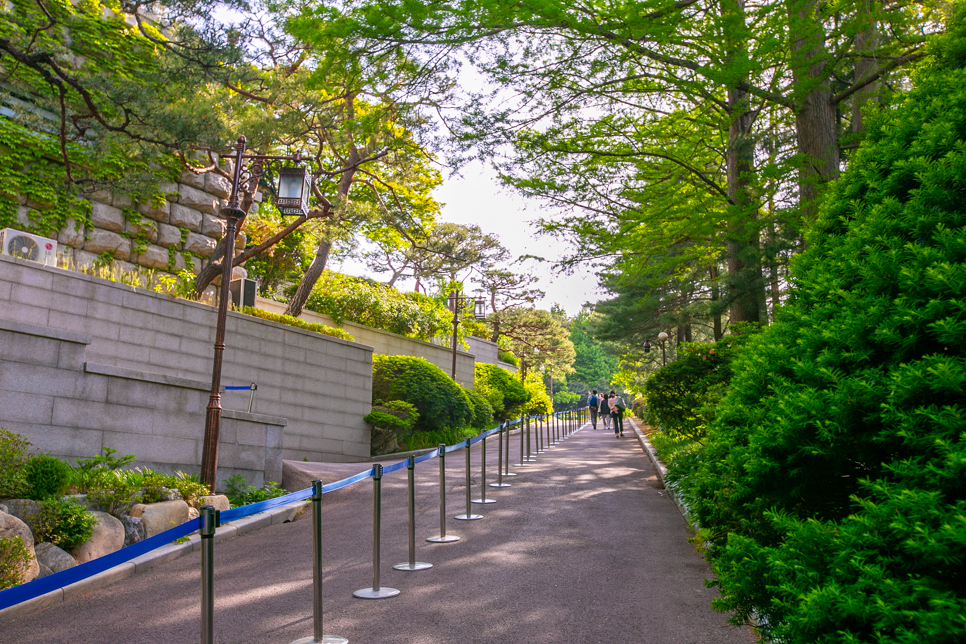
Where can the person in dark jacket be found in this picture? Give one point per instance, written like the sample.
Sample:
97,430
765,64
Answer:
593,403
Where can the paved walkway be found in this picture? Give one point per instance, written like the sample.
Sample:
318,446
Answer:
583,548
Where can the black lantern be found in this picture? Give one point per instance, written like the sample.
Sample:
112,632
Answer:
294,188
479,310
647,346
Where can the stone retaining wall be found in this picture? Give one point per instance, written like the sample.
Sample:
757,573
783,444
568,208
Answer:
322,385
72,408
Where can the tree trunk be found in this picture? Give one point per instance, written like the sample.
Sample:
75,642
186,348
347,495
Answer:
815,116
715,297
866,41
309,279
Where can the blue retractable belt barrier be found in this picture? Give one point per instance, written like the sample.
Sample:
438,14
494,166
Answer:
44,585
247,510
338,485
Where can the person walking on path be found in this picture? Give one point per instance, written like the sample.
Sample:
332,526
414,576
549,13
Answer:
617,407
604,410
593,402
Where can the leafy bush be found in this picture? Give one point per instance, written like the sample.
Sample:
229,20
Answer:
440,401
509,358
13,464
481,408
239,492
380,306
115,490
296,322
448,436
46,476
64,522
539,400
393,414
14,560
189,487
831,489
682,396
502,390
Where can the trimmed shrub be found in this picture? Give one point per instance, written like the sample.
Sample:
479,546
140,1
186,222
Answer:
64,522
482,410
502,390
240,493
13,464
298,323
14,559
46,476
440,401
832,491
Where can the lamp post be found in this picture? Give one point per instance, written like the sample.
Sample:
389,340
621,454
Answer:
455,303
662,337
293,198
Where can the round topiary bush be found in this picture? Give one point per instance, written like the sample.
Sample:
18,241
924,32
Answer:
832,491
482,411
502,390
440,402
46,476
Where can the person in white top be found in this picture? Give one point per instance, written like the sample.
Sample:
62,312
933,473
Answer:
616,404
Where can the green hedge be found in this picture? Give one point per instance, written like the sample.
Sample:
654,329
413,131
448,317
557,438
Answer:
441,402
832,491
482,410
502,390
298,323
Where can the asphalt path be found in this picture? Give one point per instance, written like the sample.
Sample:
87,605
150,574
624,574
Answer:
584,547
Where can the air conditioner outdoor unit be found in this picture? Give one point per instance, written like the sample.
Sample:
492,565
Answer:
26,246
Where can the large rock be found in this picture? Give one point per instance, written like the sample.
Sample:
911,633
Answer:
158,517
133,529
107,217
24,509
108,537
183,217
53,558
217,501
10,527
103,241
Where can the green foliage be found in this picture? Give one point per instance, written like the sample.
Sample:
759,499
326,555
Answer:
114,490
448,436
84,476
188,486
380,306
440,401
482,410
832,484
46,476
297,322
682,396
594,366
509,358
504,392
239,493
14,560
13,464
539,401
64,522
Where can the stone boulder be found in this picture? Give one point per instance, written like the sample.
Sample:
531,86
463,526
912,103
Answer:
108,537
53,558
133,529
217,501
10,527
44,571
24,509
158,517
382,441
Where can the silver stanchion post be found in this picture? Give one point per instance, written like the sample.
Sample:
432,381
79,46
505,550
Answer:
468,515
523,439
412,564
530,457
539,433
207,574
483,498
506,458
550,441
442,537
499,469
376,592
318,637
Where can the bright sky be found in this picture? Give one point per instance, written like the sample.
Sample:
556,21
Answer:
477,198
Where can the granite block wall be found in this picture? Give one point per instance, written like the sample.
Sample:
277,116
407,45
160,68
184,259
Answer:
322,385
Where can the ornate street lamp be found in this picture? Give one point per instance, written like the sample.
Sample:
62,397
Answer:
295,185
662,337
455,302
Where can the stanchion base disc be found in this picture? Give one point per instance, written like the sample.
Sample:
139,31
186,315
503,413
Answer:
376,593
328,639
518,465
505,474
418,565
446,538
532,459
500,484
481,501
468,517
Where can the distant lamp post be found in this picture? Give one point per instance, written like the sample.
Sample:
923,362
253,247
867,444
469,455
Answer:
293,199
662,338
455,303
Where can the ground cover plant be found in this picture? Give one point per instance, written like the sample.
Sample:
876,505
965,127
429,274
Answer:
240,493
832,487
